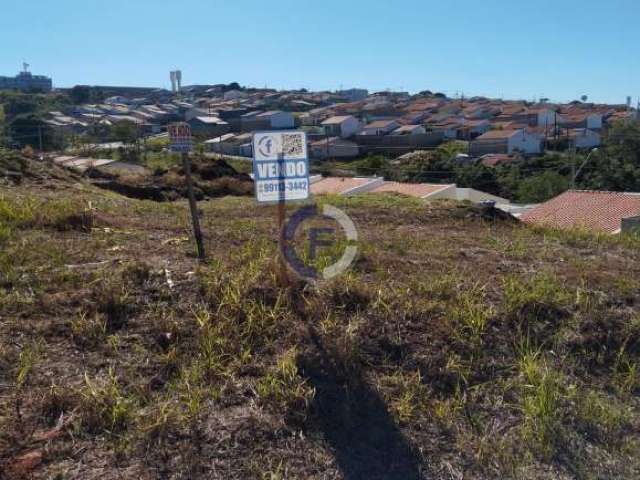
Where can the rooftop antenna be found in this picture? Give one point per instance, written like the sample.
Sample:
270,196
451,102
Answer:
25,67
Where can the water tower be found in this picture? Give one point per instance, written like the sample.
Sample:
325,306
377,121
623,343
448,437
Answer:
179,79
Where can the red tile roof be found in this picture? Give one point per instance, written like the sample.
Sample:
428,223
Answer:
420,190
381,123
336,120
498,134
338,185
593,210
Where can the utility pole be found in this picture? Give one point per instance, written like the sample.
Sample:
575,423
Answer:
181,141
193,206
573,166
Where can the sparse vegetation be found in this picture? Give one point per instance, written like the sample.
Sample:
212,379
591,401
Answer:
453,344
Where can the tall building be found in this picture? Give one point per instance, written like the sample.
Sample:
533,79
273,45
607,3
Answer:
26,81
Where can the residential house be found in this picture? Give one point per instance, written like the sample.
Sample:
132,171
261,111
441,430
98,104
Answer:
541,117
597,211
476,196
58,119
354,94
344,185
224,144
278,119
208,126
333,147
380,127
471,129
507,141
432,191
271,120
124,118
234,95
480,112
343,126
583,138
450,130
414,118
617,117
590,120
409,130
314,116
196,112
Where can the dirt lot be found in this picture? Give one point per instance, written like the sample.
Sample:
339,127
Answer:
457,346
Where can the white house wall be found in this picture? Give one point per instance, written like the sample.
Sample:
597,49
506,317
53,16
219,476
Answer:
529,144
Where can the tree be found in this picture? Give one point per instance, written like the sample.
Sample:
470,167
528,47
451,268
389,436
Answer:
125,132
19,104
542,187
232,86
479,177
31,130
616,166
80,94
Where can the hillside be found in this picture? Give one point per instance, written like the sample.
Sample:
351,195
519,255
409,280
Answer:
457,346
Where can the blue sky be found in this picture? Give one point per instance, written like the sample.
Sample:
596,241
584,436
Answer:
558,49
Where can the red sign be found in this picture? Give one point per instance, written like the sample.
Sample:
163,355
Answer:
180,137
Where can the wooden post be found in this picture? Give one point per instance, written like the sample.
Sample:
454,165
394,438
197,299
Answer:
193,206
282,240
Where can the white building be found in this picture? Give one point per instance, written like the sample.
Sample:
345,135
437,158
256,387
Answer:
341,126
380,127
334,147
546,116
234,95
409,130
507,141
584,138
277,119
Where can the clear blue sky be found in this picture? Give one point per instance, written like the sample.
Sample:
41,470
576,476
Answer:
559,49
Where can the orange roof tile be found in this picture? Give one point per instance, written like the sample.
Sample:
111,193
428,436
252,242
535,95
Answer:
594,210
338,185
498,134
420,190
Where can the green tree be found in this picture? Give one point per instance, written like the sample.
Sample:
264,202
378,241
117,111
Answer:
616,166
478,177
125,132
80,94
541,187
31,130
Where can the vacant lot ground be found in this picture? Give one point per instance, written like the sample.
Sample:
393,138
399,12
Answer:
456,347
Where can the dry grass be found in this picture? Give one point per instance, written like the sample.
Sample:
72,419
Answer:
452,345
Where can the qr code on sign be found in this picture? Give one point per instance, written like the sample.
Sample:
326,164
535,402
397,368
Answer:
293,145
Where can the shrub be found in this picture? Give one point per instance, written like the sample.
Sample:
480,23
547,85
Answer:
282,388
105,407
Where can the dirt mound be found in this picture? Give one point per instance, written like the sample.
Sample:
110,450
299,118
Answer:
18,167
212,178
483,211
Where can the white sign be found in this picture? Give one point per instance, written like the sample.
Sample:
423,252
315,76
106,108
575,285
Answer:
280,166
180,137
